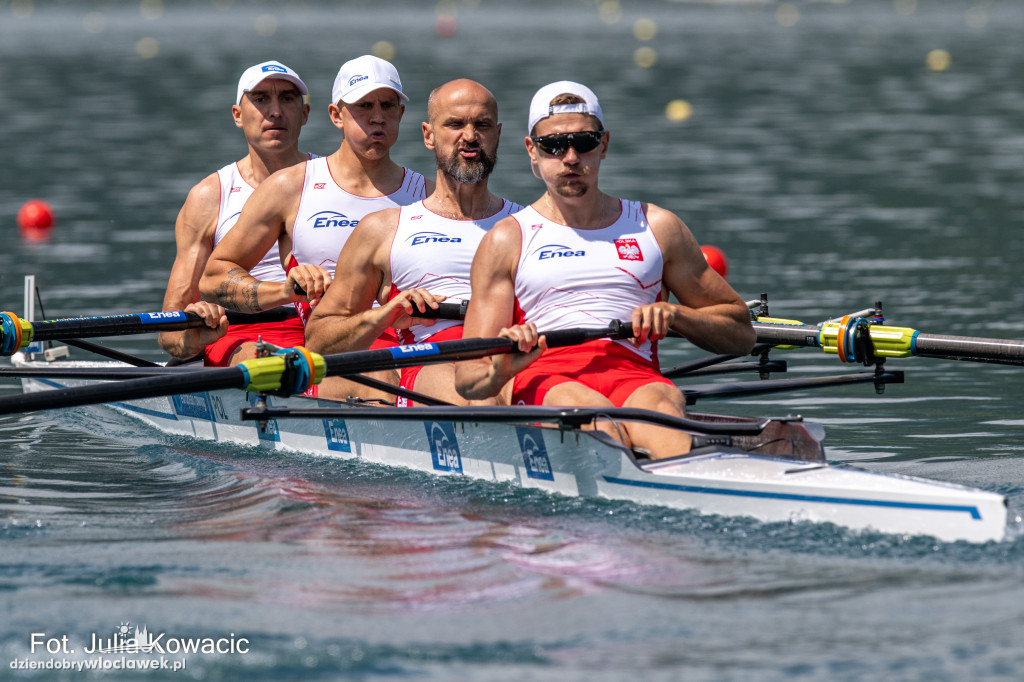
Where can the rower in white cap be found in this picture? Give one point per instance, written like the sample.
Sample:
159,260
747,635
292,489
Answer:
578,257
271,106
311,209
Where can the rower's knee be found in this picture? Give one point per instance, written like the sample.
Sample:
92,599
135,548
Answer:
658,397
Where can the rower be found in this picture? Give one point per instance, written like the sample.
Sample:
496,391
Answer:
271,106
411,258
312,208
578,257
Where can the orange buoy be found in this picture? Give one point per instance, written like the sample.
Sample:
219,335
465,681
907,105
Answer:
716,259
35,219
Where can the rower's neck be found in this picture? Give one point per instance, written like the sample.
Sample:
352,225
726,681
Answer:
365,177
257,167
592,211
462,201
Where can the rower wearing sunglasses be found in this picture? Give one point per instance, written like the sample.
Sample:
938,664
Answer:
419,255
578,257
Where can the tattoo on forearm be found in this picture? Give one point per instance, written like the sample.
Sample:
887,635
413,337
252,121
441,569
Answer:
238,291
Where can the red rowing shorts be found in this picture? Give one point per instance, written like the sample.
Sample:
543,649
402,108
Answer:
603,365
409,374
389,339
284,334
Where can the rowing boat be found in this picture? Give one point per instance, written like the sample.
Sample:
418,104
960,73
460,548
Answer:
774,470
777,474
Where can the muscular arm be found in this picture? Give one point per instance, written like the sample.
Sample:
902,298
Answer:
193,236
490,314
345,319
710,313
265,219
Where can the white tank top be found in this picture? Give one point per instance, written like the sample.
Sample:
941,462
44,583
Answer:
435,253
234,192
327,214
569,278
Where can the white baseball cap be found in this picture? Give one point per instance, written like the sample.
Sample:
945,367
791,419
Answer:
360,76
541,107
255,75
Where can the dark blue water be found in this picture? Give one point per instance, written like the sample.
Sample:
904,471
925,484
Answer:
828,161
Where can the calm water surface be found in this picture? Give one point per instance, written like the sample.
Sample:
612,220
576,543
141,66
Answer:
828,161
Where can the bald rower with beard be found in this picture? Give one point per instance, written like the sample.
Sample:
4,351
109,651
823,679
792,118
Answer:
411,258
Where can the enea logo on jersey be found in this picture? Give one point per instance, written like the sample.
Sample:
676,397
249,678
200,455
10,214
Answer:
443,446
331,219
549,251
535,454
628,249
432,238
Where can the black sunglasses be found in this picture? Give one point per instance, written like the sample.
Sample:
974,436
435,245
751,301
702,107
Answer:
559,143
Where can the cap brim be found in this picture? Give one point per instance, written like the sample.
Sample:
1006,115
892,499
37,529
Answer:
364,90
294,80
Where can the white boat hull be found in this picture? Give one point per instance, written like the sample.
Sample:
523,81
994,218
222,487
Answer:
567,461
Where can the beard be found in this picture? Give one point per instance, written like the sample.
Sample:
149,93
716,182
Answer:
466,171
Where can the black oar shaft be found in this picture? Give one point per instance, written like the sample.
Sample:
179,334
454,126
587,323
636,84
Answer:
133,389
969,348
902,342
460,349
137,323
787,335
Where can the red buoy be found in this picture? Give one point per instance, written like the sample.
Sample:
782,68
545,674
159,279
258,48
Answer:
716,259
35,219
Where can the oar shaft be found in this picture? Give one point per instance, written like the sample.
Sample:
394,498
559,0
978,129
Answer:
17,333
151,387
787,335
969,348
896,342
459,349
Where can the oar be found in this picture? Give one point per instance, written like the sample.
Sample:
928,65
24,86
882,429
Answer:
854,339
17,333
290,371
